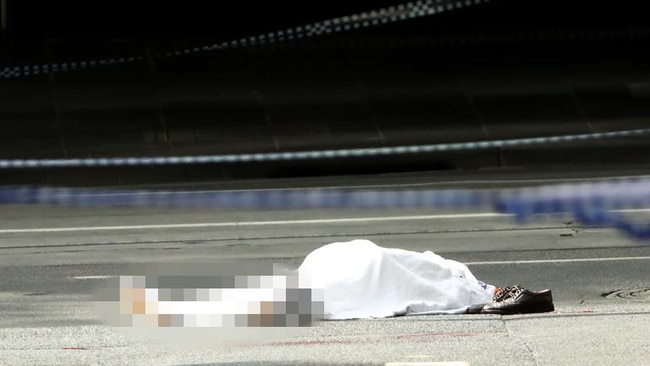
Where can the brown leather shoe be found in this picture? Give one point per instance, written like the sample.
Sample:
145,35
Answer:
518,300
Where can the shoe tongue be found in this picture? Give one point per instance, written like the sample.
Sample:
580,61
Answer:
507,293
515,291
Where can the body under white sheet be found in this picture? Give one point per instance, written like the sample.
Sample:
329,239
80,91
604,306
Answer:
360,279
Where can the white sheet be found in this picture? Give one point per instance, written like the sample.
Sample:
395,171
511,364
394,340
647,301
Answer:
363,280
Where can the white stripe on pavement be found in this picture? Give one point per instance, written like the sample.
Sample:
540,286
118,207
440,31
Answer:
442,363
255,223
99,277
573,260
277,223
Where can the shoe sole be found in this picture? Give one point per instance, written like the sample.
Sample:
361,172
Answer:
539,308
475,309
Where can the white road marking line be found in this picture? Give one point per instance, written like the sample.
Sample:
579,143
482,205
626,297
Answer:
255,223
632,210
278,222
100,277
420,363
574,260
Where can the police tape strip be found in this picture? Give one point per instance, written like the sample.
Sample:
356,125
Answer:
316,154
593,203
390,14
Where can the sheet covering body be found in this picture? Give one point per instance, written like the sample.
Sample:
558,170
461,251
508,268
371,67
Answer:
363,280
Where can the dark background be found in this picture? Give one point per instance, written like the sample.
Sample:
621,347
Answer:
102,19
497,70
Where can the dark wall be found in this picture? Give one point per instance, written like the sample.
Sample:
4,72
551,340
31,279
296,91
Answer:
74,19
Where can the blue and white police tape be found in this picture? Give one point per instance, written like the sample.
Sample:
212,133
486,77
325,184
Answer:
381,16
258,199
592,203
315,154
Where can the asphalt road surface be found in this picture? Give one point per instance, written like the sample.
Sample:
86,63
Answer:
54,258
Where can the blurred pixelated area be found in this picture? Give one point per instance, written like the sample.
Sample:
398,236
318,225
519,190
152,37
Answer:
193,296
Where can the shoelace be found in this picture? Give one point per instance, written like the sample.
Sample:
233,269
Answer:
508,292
